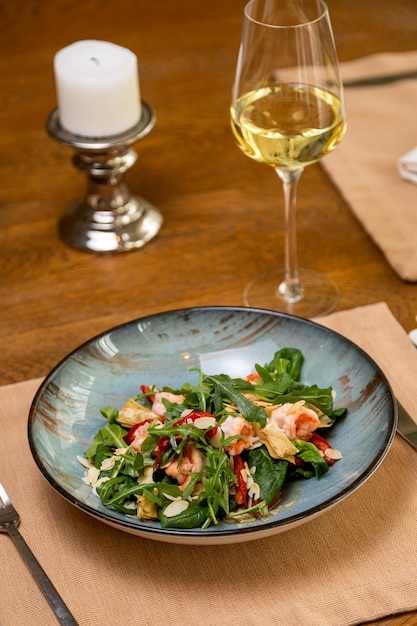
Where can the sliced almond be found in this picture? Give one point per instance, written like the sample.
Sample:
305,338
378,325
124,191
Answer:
205,422
333,454
92,476
254,491
108,463
243,475
85,462
176,507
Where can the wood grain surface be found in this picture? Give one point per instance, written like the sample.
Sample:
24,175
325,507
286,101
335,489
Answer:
223,213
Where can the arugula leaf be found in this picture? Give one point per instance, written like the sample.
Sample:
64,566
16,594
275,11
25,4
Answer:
118,491
274,389
149,443
111,435
110,414
225,387
321,398
217,480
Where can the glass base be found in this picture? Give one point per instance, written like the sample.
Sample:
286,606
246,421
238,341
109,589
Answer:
319,294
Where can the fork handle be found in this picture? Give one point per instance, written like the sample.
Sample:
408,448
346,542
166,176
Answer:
57,604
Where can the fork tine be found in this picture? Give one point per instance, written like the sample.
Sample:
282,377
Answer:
8,514
4,498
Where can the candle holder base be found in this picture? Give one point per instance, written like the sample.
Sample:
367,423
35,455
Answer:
134,225
109,218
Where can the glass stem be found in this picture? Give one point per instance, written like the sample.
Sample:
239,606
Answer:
290,289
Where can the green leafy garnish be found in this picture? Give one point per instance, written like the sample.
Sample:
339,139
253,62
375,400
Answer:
217,483
226,389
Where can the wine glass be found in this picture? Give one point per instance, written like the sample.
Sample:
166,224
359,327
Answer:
288,112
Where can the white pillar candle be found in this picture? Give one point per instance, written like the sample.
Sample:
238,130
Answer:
97,87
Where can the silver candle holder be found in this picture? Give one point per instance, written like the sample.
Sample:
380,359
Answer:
109,218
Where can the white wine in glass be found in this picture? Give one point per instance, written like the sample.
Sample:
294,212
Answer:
288,112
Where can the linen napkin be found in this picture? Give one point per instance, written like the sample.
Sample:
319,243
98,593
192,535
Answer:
407,166
354,563
381,128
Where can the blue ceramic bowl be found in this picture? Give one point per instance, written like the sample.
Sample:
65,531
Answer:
161,349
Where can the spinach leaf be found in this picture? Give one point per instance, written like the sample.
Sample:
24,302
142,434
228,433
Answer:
309,454
286,361
269,473
193,517
280,376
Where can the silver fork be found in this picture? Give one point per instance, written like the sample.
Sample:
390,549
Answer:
9,519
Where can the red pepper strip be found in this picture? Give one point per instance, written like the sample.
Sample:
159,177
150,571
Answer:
163,444
147,389
242,490
131,435
322,445
193,417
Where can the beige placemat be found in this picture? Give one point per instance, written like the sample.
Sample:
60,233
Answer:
354,563
381,127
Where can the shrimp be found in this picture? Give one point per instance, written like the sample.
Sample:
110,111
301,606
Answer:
158,406
243,429
296,420
140,435
190,460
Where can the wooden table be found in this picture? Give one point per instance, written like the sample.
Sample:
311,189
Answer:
222,212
